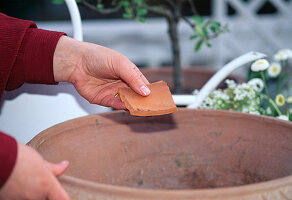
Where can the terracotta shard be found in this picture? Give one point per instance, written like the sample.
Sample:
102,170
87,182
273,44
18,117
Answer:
159,102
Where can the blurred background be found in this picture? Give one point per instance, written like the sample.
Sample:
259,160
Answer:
259,25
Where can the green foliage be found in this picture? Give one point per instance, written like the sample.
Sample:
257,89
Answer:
204,30
57,1
100,6
133,9
266,92
244,97
62,1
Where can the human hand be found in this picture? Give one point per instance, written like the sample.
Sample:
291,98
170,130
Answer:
97,72
34,178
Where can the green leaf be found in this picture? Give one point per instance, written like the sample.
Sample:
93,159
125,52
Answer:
128,13
128,10
141,11
193,37
198,20
100,6
58,1
208,44
138,1
215,27
199,45
199,31
215,24
124,3
205,32
78,1
141,19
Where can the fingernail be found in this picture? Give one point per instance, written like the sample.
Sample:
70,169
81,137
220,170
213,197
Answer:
145,90
64,162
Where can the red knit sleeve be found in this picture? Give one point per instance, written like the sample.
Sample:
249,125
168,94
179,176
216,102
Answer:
8,155
26,55
12,32
34,62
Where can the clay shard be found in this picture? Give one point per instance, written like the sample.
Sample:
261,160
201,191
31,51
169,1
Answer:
159,102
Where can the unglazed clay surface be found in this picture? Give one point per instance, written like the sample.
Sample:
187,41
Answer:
159,102
190,154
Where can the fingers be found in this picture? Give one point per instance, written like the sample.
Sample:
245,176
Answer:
57,192
117,103
135,79
143,77
112,101
58,169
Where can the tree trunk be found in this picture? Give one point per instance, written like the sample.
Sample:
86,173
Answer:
176,60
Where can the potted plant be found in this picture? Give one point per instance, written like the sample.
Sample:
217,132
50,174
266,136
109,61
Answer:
171,10
267,92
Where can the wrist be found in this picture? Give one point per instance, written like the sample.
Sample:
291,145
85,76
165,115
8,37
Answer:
67,57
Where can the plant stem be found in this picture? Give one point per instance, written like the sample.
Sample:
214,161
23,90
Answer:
171,3
173,34
104,11
279,83
265,84
173,22
270,101
189,22
158,11
288,78
193,7
275,106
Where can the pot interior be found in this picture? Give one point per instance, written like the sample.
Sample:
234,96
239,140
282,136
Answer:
185,150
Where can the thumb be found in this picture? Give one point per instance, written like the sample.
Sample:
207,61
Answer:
135,79
58,169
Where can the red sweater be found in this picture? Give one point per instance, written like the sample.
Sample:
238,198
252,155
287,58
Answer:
26,55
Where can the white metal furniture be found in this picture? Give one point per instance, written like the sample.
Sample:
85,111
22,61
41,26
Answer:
195,101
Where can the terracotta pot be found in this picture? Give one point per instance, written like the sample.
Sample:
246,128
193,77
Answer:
190,154
193,78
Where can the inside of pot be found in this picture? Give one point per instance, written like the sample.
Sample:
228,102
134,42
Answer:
186,150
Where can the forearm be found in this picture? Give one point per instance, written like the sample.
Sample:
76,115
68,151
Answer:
67,56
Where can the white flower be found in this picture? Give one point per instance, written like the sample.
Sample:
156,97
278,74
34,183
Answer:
257,83
280,56
288,52
230,83
283,54
255,112
280,100
260,65
269,110
274,70
289,99
283,117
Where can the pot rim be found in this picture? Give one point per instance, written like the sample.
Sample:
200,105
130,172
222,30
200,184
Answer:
219,192
225,192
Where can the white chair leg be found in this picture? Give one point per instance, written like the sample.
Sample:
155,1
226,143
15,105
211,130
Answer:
75,19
